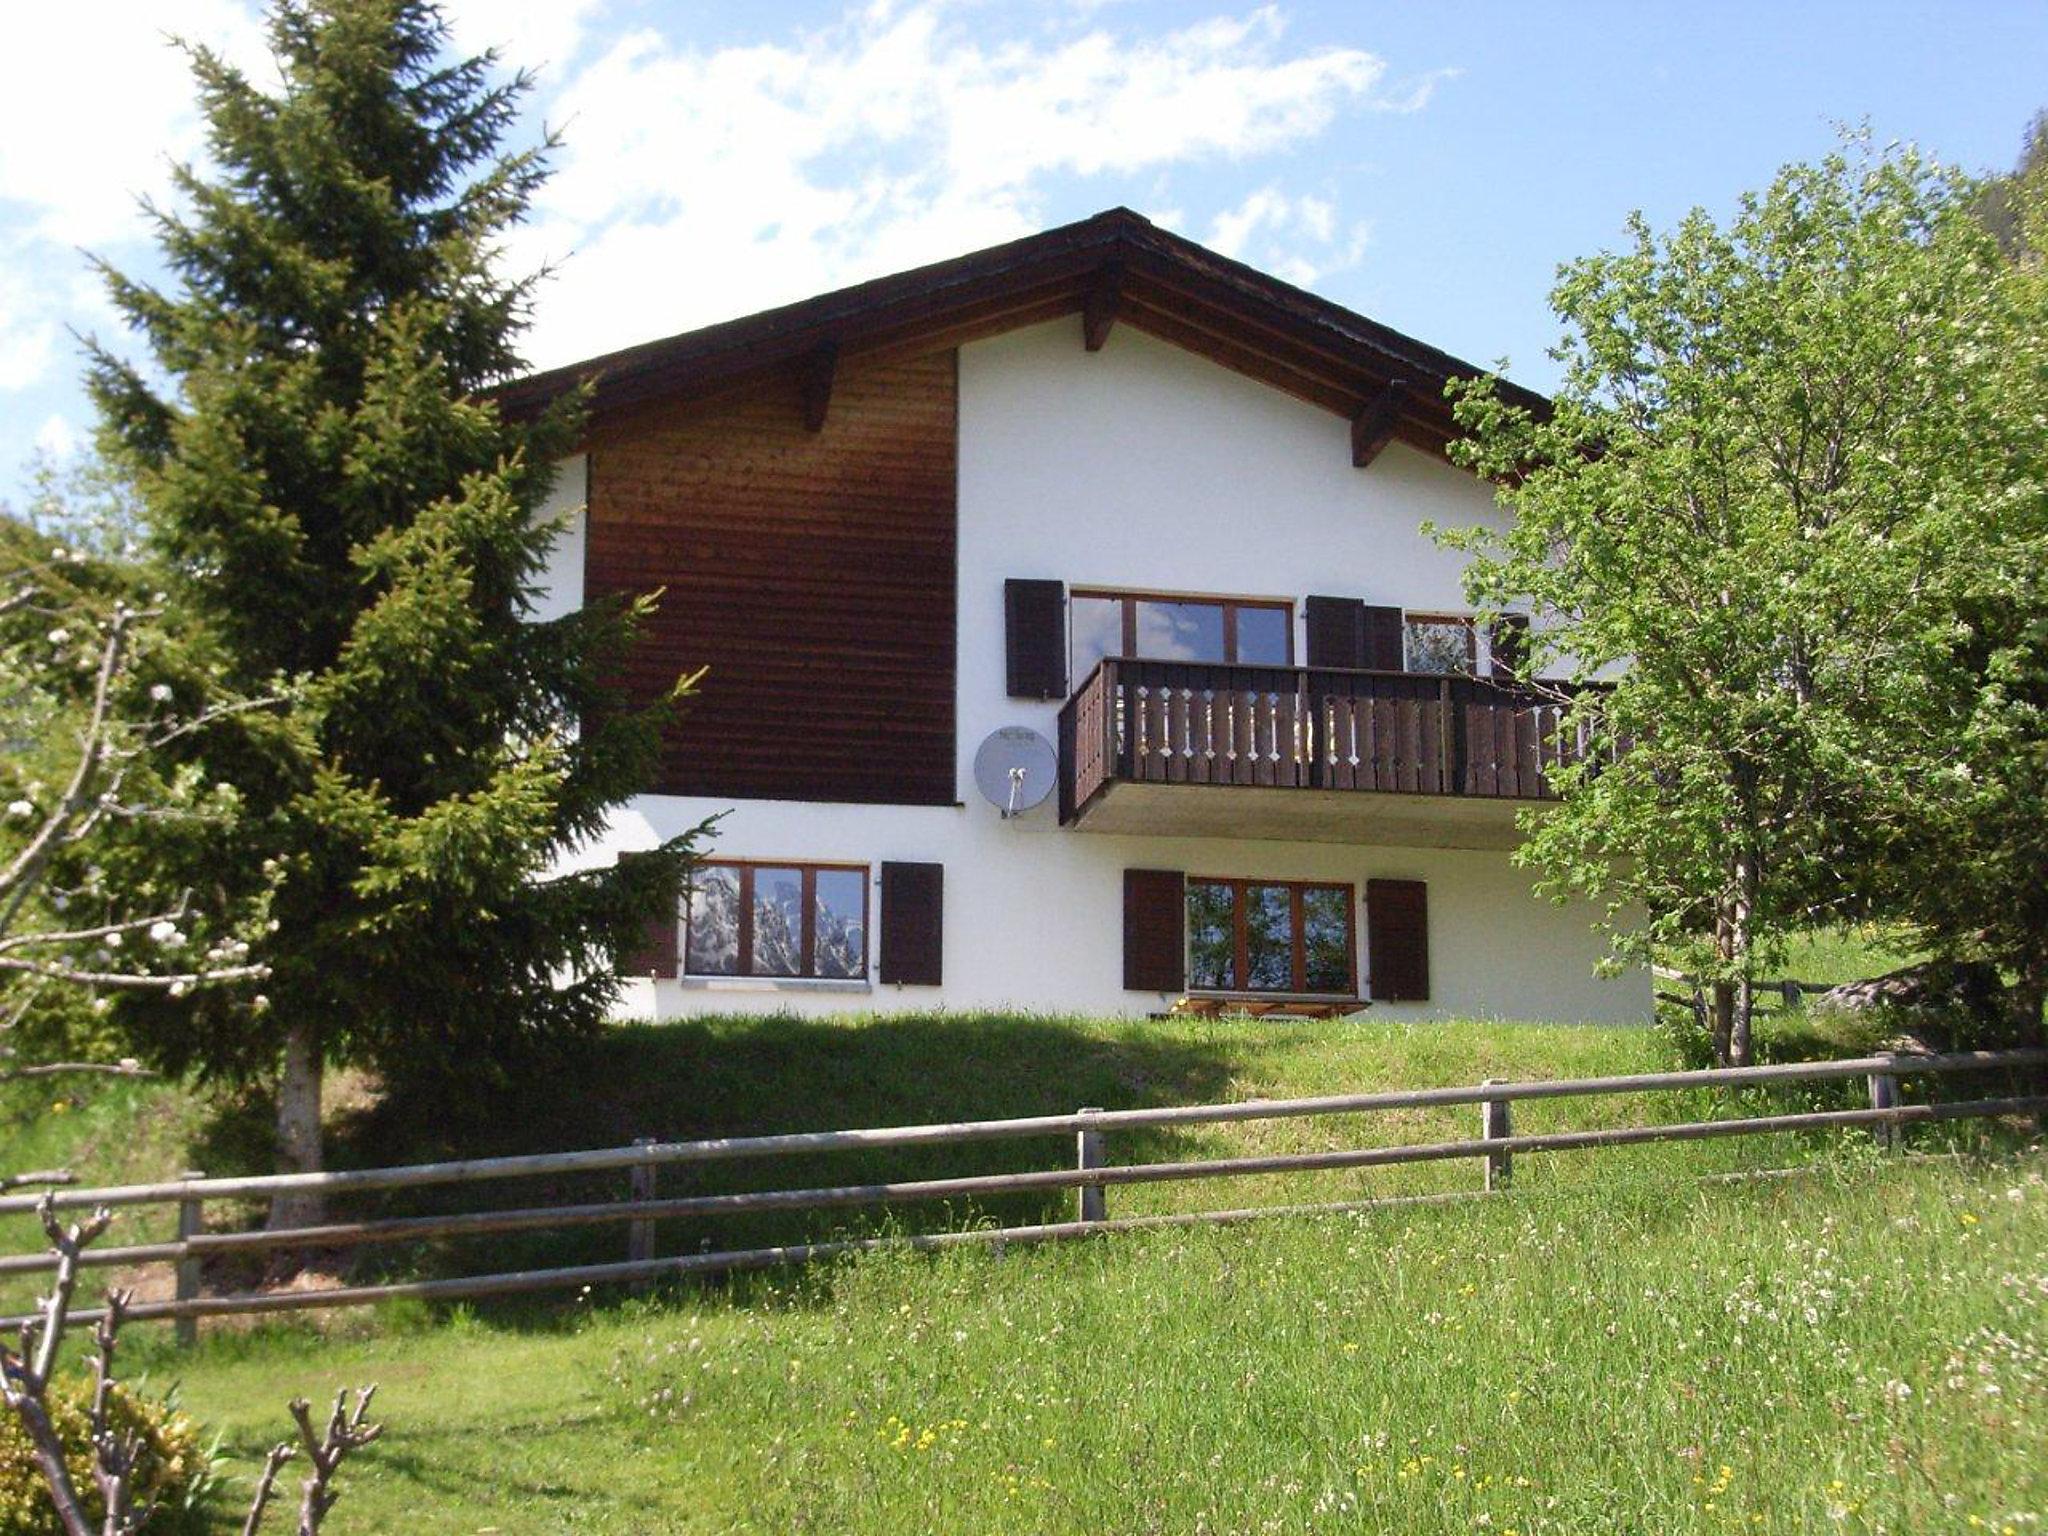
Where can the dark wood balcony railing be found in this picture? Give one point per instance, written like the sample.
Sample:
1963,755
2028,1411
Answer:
1174,722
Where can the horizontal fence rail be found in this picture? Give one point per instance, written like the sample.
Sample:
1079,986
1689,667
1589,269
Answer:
1494,1149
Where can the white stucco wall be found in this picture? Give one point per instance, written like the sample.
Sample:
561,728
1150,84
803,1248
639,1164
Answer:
1143,466
560,589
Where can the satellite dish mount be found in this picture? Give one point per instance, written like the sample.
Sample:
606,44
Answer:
1015,768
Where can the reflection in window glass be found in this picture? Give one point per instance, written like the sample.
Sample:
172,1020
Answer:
1212,938
1180,631
1269,938
840,941
1098,625
714,922
1441,645
778,922
1326,939
1263,636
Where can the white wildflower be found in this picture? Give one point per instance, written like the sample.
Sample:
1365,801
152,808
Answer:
20,808
160,693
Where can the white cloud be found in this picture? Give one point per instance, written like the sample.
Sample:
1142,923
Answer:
57,437
1298,238
542,35
98,103
698,184
28,331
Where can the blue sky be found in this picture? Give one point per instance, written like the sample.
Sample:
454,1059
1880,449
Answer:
1428,164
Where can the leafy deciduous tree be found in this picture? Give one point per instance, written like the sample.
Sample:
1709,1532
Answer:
1768,475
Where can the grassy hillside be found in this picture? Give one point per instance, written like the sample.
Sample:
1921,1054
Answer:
1860,1350
1612,1347
733,1076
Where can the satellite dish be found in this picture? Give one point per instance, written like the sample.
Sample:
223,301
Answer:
1015,769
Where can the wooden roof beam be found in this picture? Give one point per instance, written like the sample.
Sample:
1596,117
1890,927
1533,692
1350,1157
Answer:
1374,425
1099,308
815,373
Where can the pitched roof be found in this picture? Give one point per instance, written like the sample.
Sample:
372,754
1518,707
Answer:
1114,268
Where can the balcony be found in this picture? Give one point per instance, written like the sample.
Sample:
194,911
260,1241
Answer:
1302,753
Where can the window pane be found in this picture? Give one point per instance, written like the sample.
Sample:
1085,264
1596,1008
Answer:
1098,631
1269,938
714,922
778,922
1212,940
1439,645
841,940
1326,935
1262,636
1180,631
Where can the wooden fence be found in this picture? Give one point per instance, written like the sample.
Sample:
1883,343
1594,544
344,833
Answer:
1089,1172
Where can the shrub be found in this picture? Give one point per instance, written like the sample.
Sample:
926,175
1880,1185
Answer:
174,1470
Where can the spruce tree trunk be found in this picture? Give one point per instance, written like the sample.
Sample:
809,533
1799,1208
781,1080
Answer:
298,1125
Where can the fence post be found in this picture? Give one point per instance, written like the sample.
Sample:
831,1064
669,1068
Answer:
640,1234
191,1222
1090,1203
1884,1094
1496,1122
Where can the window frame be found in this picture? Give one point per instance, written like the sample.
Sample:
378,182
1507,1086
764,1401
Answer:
807,960
1240,960
1129,598
1469,622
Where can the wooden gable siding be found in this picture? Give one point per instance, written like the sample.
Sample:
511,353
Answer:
811,571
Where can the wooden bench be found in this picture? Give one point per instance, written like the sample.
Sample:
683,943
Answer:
1255,1007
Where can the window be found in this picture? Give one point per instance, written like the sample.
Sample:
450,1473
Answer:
1252,632
793,920
1270,936
1442,642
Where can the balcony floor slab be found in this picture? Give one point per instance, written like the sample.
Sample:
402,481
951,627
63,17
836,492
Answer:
1303,815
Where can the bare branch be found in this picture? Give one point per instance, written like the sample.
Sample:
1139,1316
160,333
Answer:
123,1068
41,1176
266,1484
17,879
135,980
346,1431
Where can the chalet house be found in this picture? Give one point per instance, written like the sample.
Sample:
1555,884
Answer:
1134,520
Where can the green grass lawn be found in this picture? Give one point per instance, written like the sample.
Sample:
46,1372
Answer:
734,1076
1850,953
1586,1354
1858,1350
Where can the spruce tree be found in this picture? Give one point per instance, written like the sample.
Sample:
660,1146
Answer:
338,501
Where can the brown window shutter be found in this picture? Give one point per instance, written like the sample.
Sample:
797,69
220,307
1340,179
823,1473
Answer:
657,953
1336,631
913,923
1155,930
1397,940
1035,638
1384,646
1510,640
